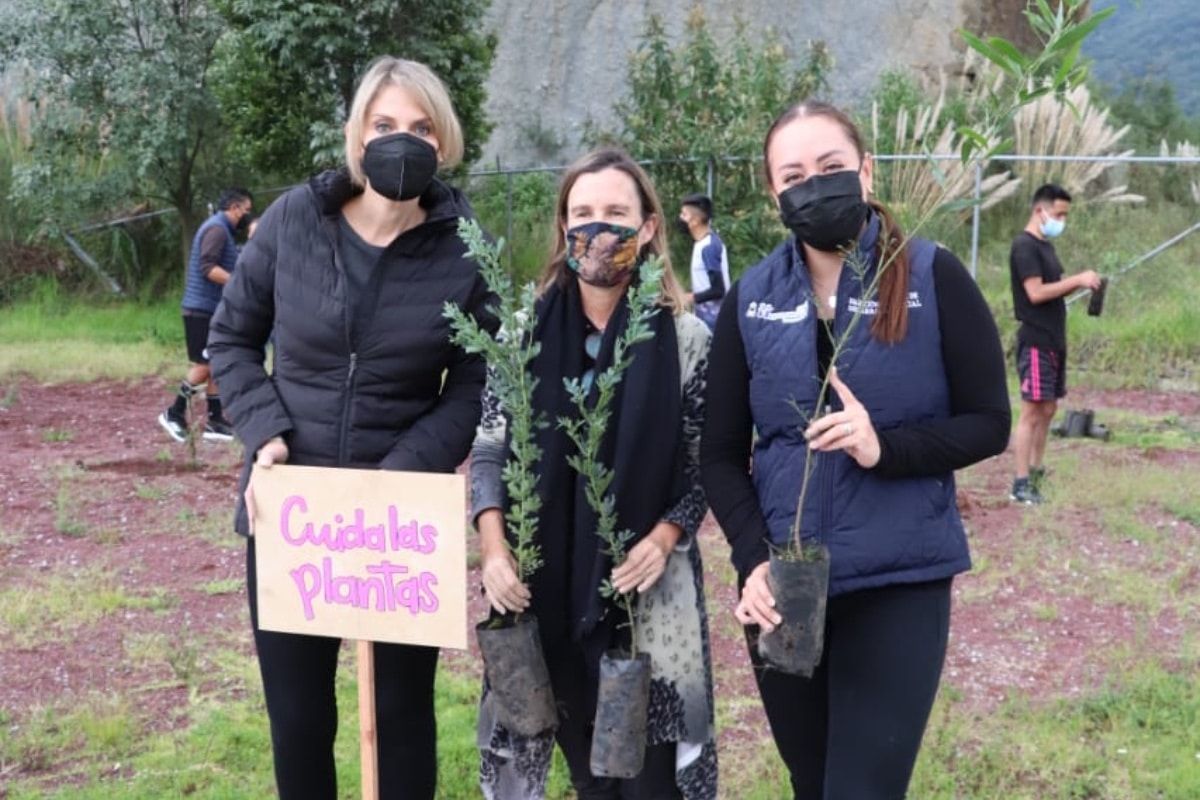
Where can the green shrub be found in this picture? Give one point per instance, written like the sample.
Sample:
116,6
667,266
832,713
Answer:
705,106
520,208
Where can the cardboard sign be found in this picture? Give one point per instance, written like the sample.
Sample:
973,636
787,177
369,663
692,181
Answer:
362,554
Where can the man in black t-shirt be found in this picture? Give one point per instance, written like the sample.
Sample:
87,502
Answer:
1038,289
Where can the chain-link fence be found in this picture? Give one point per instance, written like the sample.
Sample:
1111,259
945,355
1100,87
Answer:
974,208
930,193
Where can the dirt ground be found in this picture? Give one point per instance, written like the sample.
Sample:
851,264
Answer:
95,495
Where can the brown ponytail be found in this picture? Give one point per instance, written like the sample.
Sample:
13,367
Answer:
891,323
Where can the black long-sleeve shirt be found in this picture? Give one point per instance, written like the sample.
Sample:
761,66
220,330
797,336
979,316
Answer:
978,425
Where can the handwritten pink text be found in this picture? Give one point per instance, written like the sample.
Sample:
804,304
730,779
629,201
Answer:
388,587
339,535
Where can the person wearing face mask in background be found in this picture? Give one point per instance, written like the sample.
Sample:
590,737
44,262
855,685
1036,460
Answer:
1038,290
918,391
608,221
351,271
251,227
213,258
710,260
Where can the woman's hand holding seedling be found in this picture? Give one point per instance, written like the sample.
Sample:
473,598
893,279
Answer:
849,429
757,606
647,560
498,568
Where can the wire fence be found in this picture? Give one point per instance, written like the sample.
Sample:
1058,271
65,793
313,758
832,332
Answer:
979,178
979,172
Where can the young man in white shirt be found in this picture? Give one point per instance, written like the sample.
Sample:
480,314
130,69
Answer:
710,259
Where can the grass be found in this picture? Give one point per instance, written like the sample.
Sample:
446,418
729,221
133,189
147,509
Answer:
67,360
56,339
224,750
144,490
55,435
67,519
226,586
52,606
1136,737
212,525
100,730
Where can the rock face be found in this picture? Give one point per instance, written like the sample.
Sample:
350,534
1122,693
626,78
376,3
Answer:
560,63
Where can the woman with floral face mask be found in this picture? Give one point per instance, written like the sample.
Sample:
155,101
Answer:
608,222
351,271
917,391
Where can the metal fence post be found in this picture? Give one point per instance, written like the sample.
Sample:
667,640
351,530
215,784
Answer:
508,217
975,212
710,177
92,264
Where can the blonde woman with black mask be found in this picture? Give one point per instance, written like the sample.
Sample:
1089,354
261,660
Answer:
351,271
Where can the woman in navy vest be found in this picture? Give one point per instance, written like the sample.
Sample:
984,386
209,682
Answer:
916,390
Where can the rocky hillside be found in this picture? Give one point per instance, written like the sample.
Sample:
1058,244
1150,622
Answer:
562,62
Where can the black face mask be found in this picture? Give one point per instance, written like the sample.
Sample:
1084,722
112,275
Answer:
682,226
400,166
826,212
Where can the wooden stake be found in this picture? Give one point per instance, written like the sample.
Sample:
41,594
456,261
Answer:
368,746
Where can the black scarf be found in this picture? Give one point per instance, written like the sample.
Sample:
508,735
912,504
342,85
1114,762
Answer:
642,446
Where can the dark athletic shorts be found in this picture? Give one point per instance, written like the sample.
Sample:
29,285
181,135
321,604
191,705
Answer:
1042,372
195,332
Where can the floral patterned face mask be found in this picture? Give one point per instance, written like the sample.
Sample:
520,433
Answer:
602,253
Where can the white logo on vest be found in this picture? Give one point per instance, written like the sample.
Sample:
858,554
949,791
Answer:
767,312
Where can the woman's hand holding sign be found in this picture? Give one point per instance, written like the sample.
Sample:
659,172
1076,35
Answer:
275,451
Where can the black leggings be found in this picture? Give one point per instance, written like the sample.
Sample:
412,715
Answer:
298,680
852,731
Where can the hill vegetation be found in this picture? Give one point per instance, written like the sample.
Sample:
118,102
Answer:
1149,41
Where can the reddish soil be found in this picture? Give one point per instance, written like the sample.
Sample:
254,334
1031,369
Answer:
93,490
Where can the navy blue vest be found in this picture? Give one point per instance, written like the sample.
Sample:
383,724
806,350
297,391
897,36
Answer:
199,293
879,531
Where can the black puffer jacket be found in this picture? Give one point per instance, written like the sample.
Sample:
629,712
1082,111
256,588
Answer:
385,389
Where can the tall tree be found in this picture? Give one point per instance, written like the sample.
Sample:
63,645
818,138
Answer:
127,112
710,99
293,64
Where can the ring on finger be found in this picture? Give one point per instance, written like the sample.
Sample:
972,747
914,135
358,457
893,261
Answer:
847,429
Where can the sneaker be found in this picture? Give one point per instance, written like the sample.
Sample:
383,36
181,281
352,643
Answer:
218,430
174,425
1026,493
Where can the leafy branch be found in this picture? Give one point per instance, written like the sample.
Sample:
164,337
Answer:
587,430
1055,69
855,262
508,356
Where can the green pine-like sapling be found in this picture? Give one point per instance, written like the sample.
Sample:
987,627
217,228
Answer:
508,357
797,549
587,431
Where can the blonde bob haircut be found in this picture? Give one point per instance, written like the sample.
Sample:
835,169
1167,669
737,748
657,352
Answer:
429,92
556,270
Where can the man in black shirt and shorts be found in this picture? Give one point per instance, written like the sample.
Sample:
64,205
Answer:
1038,289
